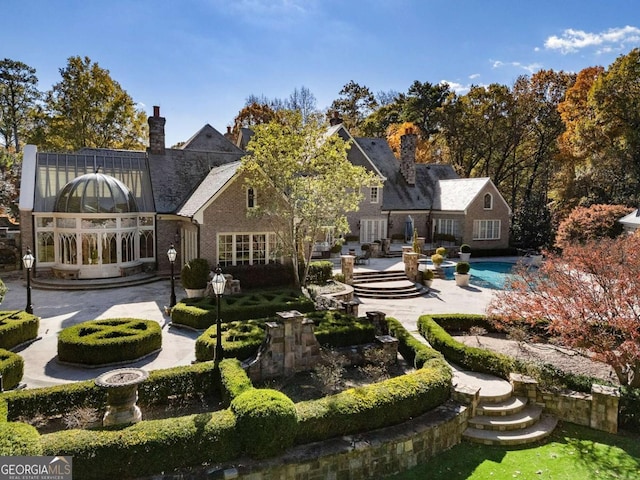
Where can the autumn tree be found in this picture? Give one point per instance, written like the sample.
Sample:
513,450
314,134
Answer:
18,96
397,130
356,102
311,183
87,108
585,299
585,224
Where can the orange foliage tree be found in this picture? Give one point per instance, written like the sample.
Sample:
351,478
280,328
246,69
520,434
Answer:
397,130
590,223
587,299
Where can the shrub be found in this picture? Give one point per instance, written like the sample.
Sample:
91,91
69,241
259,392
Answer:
412,350
19,439
463,268
195,274
266,421
590,223
441,251
437,259
464,248
100,342
320,272
428,274
234,380
339,277
11,369
262,276
3,290
17,327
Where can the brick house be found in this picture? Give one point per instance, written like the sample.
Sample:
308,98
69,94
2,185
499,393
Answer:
106,213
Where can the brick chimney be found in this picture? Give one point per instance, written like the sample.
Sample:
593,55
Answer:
156,132
408,143
335,119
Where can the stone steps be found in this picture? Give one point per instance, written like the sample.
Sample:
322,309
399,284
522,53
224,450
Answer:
512,421
538,431
391,284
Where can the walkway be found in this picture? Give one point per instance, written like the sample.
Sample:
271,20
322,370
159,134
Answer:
60,309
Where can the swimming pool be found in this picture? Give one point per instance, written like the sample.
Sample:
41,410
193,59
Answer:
486,274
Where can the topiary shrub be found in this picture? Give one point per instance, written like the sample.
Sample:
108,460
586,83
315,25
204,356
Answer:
234,380
19,439
441,251
101,342
266,421
17,327
320,272
464,248
463,268
11,369
195,274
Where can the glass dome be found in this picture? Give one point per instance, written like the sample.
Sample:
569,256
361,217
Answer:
95,193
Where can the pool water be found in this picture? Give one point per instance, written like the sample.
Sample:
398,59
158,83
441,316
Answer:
487,274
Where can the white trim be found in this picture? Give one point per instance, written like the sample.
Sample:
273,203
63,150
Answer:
28,180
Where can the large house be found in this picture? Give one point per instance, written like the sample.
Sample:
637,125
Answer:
107,213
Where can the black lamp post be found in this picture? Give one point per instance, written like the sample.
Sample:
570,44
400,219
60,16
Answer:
217,282
172,254
27,261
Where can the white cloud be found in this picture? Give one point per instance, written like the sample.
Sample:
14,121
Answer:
573,40
474,76
531,67
459,88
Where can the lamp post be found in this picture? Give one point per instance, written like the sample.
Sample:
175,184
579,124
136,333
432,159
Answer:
172,254
217,282
27,261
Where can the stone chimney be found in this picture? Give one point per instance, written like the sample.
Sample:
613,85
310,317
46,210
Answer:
229,135
408,143
335,119
156,132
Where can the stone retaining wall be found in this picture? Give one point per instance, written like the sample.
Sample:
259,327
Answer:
598,410
365,456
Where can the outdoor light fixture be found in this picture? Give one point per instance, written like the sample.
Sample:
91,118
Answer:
27,261
172,254
218,282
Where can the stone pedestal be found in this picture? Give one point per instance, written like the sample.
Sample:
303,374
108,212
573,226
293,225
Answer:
406,249
122,395
604,408
379,322
411,265
347,262
389,348
375,249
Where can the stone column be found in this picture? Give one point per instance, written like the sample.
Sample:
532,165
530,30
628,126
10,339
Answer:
292,320
389,348
379,322
406,249
524,386
604,408
347,262
411,265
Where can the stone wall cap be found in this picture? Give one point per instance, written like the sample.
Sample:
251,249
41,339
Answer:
605,390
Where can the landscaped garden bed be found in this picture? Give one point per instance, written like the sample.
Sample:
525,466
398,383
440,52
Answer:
17,327
109,341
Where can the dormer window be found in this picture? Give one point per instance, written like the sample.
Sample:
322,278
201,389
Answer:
251,197
488,201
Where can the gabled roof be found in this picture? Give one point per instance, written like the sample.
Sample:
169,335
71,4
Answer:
632,219
457,195
208,139
397,193
213,183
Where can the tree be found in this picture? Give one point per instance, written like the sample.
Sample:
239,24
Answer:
585,224
355,104
18,95
586,299
532,226
87,108
422,104
303,101
10,171
313,184
397,130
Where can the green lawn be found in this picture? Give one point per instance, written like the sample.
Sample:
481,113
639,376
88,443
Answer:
572,452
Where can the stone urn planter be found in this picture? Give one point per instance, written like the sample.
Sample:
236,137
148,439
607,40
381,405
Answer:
122,395
194,292
462,274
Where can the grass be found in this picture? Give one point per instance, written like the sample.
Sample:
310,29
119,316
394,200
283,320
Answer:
571,452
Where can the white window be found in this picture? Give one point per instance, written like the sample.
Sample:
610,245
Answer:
373,196
372,229
251,197
486,229
246,248
447,226
488,201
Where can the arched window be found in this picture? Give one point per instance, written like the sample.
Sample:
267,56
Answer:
251,197
488,201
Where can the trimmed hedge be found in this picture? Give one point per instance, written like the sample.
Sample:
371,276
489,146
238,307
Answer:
100,342
241,340
379,405
16,327
266,421
233,379
411,349
202,313
19,439
320,272
11,369
148,447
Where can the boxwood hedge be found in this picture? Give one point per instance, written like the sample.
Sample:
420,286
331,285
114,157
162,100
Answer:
114,340
16,327
11,369
202,313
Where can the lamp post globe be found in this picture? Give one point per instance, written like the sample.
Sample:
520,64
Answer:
218,282
172,255
28,261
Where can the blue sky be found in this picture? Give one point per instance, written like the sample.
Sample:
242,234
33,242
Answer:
200,59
